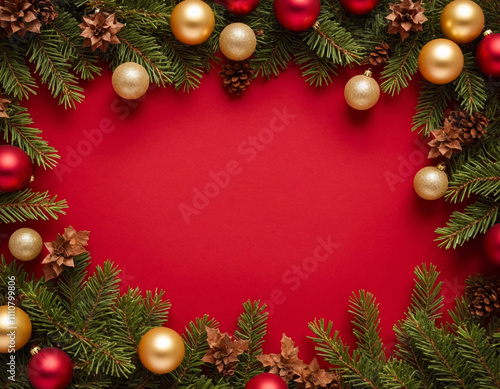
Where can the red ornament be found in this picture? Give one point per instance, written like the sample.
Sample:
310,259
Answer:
359,7
297,15
491,244
50,368
266,381
488,54
239,7
15,168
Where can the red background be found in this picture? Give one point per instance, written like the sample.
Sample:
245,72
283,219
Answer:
323,175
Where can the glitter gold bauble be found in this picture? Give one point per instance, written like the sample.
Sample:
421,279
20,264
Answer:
237,41
15,328
362,92
192,21
440,61
25,244
161,350
130,80
462,21
431,182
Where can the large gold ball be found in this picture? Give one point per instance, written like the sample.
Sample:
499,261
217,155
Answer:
25,244
430,183
362,92
462,21
237,41
161,350
192,22
440,61
15,328
130,80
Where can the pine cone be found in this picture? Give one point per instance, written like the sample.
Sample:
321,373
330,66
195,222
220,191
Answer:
45,11
4,102
100,30
471,127
405,17
19,17
380,55
446,141
484,294
237,76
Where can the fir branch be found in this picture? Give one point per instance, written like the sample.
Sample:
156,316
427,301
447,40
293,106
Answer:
470,86
28,205
15,76
426,296
71,283
461,227
316,70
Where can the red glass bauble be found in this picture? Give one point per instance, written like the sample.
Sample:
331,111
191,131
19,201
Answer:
266,381
297,15
491,244
15,168
50,368
359,7
239,7
488,55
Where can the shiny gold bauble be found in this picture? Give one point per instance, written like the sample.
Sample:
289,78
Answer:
130,80
431,182
25,244
161,350
362,92
192,21
462,21
440,61
237,41
15,328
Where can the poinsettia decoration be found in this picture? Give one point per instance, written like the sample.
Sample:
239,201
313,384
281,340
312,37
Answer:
63,250
224,351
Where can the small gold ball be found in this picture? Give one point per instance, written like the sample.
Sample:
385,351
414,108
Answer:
192,21
462,21
430,183
237,41
25,244
440,61
161,350
130,80
361,92
13,321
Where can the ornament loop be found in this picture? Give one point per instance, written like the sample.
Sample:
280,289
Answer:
487,32
368,72
35,350
441,166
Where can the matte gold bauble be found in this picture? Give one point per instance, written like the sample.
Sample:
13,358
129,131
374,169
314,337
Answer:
25,244
192,21
440,61
130,80
237,41
15,328
362,92
431,182
161,350
462,21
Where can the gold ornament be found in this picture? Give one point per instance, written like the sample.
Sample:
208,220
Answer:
15,328
161,350
431,182
462,21
192,21
440,61
237,41
130,80
362,92
25,244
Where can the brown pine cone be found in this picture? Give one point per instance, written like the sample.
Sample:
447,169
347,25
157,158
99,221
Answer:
4,103
46,11
100,30
405,17
446,141
237,76
19,17
484,294
471,127
380,55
